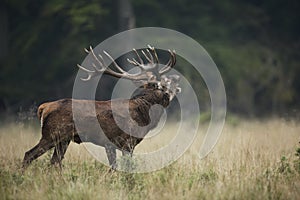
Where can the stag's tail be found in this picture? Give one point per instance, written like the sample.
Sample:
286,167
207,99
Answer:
42,112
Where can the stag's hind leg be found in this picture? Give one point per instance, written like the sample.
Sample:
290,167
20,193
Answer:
38,150
127,153
59,152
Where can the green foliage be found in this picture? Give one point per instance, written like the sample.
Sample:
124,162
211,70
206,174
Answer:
284,166
297,160
205,117
46,42
209,176
254,44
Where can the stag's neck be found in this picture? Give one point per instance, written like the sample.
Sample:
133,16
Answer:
143,103
151,98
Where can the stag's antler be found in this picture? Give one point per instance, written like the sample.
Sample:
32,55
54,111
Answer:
149,71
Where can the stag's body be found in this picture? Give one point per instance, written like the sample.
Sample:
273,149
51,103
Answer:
58,127
124,123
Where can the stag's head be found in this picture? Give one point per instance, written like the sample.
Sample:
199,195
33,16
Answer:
151,75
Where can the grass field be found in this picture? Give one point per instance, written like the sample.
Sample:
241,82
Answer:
252,160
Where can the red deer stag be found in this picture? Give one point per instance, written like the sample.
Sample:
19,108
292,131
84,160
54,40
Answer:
57,122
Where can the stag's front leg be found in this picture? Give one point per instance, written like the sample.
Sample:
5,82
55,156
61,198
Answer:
127,160
127,153
59,152
128,147
111,153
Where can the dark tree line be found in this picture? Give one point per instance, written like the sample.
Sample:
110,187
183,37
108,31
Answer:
255,44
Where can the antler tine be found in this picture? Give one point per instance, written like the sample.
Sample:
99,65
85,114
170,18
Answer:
151,57
96,58
154,52
97,69
90,72
88,78
173,56
133,61
136,63
84,69
102,63
172,59
149,60
139,57
170,64
114,62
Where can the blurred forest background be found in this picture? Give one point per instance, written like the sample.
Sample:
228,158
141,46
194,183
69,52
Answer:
255,44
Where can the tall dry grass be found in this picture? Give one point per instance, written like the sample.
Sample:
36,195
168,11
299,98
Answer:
252,160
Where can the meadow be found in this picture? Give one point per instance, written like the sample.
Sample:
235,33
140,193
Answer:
254,159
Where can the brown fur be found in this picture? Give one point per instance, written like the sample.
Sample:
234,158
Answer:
58,127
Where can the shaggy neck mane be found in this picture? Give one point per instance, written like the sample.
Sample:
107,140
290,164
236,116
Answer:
144,99
151,97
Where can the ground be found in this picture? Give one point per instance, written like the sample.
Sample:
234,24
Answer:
254,159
